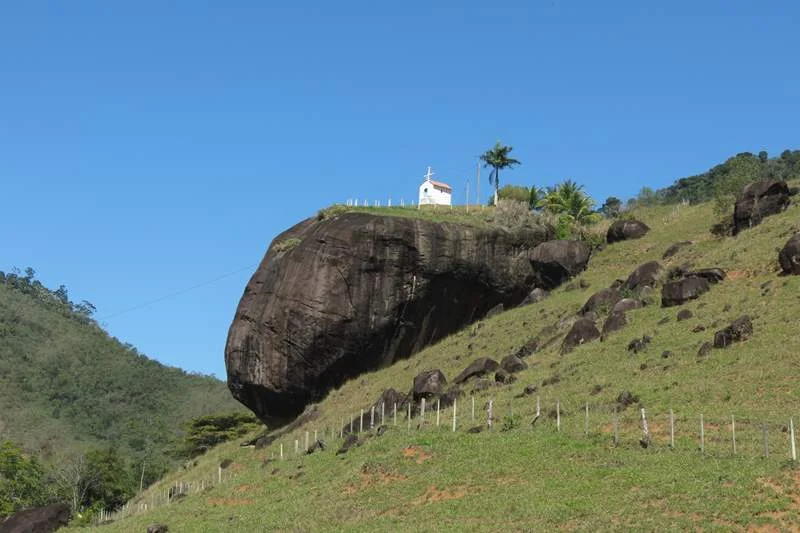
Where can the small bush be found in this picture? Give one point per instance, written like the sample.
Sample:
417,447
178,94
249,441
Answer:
286,244
332,211
512,214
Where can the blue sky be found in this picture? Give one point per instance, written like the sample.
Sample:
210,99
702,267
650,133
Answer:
149,147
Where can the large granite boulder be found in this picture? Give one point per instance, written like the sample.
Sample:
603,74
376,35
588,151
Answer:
41,520
479,367
343,295
681,291
604,299
584,330
428,384
645,275
623,230
554,262
758,200
789,256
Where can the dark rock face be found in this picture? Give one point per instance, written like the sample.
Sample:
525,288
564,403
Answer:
615,322
513,364
554,262
626,304
678,292
501,376
41,520
644,275
448,398
758,200
428,384
479,367
623,230
675,248
604,298
739,330
789,256
584,330
357,292
704,349
535,296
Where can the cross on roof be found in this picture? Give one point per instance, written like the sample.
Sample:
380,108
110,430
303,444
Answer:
429,174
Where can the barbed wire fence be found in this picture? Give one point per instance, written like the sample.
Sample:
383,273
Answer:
709,433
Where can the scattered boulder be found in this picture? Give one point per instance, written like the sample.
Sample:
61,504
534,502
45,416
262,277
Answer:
513,364
535,296
349,442
789,256
626,304
666,354
320,445
626,398
554,262
157,528
529,389
390,397
758,200
476,429
681,291
582,331
528,348
583,284
481,384
623,230
740,329
448,398
428,384
501,376
704,349
615,322
39,520
675,248
496,310
479,367
698,328
712,275
644,275
684,314
637,345
604,298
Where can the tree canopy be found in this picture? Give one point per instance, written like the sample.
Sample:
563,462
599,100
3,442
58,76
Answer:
498,158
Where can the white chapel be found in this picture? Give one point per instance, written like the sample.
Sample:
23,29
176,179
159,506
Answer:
434,192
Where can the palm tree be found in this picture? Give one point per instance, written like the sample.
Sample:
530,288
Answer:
497,158
568,199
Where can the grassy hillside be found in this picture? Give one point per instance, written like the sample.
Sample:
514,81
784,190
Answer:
67,387
519,477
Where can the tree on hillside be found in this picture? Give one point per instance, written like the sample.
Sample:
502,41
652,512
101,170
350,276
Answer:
536,196
611,207
518,193
737,172
21,481
568,200
498,158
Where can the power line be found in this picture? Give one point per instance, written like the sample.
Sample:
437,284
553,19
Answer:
178,293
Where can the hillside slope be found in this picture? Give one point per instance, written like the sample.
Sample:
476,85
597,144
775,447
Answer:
563,471
66,386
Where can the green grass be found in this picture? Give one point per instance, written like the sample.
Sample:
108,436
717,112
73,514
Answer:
476,216
539,479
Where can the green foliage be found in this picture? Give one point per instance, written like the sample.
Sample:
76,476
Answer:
112,478
568,200
332,211
22,482
611,207
706,186
67,387
519,193
286,244
498,158
510,422
208,431
738,171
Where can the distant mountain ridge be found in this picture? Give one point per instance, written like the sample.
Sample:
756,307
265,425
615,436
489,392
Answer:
67,386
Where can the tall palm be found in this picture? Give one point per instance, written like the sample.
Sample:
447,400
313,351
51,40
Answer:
568,199
497,158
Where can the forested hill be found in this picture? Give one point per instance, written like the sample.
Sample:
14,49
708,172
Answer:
728,178
67,387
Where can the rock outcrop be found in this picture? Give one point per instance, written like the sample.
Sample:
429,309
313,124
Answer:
338,297
584,330
678,292
555,262
758,200
40,520
789,256
623,230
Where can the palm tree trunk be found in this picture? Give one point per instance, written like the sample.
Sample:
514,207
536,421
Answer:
496,184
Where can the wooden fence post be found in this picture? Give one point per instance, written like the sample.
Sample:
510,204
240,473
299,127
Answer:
383,413
372,417
455,406
766,441
586,421
671,429
615,423
422,413
489,415
394,413
409,415
702,436
305,449
472,419
791,436
438,406
645,430
558,415
361,422
538,407
733,433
